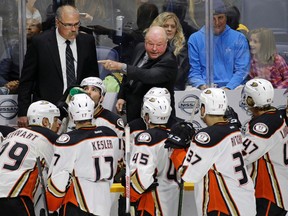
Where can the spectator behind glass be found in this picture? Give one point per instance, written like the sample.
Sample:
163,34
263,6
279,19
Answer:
32,12
179,7
9,65
233,20
146,13
266,63
231,54
170,22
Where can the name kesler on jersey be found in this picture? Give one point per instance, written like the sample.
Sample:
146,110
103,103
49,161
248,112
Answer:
144,137
202,137
261,128
64,138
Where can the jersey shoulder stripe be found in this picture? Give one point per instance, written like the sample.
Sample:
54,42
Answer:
76,136
111,117
151,137
213,135
49,134
267,124
33,132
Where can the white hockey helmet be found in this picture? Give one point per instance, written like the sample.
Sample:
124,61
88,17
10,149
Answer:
81,107
42,109
260,91
94,81
158,109
214,100
157,92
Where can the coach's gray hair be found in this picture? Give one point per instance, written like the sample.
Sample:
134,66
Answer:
69,8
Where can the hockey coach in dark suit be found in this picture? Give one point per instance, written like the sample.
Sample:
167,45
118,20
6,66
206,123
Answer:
48,63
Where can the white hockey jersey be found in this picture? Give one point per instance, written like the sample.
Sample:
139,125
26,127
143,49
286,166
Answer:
215,164
82,170
18,155
265,146
150,163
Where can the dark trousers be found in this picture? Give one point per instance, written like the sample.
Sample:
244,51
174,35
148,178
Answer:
18,206
71,210
216,213
266,207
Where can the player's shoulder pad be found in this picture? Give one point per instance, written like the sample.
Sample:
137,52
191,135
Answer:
76,136
5,130
137,125
105,131
266,124
151,136
211,136
113,118
49,134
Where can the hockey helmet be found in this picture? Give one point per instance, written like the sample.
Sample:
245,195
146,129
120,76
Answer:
158,109
157,92
94,81
257,93
214,100
81,107
42,109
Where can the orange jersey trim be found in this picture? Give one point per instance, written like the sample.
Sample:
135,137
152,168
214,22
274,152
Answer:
266,184
178,157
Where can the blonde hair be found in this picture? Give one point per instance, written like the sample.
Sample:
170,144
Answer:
178,40
268,49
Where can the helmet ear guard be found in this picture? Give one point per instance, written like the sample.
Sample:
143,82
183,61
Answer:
42,109
81,107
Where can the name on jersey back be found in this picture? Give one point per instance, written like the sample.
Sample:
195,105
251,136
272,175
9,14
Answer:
102,144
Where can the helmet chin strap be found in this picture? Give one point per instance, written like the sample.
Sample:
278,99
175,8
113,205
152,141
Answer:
99,104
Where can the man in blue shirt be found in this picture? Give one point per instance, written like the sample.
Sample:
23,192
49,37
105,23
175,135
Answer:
231,54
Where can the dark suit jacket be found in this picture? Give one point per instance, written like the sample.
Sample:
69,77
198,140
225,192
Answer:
42,74
160,72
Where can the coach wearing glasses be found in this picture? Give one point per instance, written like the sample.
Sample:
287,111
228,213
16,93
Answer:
56,60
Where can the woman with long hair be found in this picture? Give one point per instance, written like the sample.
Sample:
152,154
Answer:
170,22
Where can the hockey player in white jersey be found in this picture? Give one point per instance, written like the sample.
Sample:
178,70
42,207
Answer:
18,155
153,176
265,148
138,125
84,164
214,161
95,88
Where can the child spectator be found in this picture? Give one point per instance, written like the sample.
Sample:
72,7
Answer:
266,63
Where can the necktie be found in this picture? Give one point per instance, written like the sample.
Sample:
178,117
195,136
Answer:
143,61
70,69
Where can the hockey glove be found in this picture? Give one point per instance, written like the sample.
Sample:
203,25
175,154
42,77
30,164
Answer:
232,117
180,135
62,104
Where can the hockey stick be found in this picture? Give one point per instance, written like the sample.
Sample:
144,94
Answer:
40,175
181,184
127,174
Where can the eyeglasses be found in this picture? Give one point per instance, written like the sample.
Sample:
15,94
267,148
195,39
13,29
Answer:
151,45
69,25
